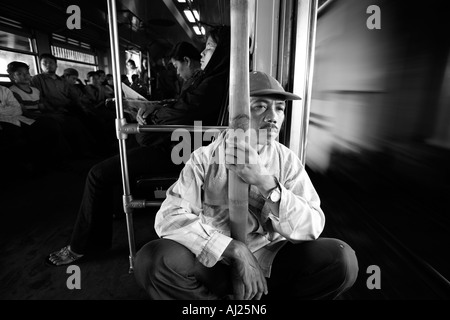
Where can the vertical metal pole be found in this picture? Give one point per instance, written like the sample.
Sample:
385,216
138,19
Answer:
120,120
304,67
239,111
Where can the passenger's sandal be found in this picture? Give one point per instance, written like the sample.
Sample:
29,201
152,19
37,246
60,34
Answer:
63,257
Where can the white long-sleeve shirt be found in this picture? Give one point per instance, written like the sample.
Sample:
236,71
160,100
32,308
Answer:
195,212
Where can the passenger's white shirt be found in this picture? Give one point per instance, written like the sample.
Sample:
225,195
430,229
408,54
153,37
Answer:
10,109
195,212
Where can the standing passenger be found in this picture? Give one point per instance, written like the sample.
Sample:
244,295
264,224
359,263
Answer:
132,69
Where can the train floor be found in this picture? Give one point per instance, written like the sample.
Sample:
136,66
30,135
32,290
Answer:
38,214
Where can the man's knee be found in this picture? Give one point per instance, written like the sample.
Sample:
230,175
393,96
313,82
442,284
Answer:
105,173
160,257
344,261
95,174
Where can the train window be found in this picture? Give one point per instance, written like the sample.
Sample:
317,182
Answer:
15,46
68,57
10,40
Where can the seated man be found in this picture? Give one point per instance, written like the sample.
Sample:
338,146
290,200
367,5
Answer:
30,143
59,100
284,258
45,130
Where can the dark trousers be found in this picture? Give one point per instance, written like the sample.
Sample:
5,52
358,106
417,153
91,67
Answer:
81,141
42,143
93,227
320,269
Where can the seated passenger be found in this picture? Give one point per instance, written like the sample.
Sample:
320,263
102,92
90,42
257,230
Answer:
101,77
109,83
284,258
56,95
137,86
71,77
25,143
124,79
62,102
57,148
28,96
95,90
143,76
93,97
167,85
201,101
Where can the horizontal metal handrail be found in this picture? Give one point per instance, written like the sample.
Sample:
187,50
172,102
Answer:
171,128
124,129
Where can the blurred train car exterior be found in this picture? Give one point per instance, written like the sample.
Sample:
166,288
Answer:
381,95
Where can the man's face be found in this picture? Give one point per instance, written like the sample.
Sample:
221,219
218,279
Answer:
266,118
72,79
21,76
48,65
102,77
94,80
206,54
182,68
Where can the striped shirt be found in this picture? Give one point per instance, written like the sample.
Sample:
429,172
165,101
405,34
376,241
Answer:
28,100
10,109
195,211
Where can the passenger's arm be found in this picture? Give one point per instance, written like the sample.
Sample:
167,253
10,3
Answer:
76,99
300,216
21,102
10,107
44,105
202,102
144,110
179,216
297,216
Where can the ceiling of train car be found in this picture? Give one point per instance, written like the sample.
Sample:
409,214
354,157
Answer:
154,25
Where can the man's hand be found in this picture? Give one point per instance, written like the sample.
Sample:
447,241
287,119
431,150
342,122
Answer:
248,279
244,160
143,108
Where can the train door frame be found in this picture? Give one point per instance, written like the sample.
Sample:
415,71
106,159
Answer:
285,49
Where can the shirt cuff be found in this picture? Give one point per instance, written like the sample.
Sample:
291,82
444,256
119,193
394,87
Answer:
283,218
214,249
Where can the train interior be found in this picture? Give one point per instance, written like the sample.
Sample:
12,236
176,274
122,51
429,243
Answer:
378,144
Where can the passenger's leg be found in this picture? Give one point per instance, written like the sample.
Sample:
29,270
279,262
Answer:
79,139
47,143
167,270
320,269
14,149
93,227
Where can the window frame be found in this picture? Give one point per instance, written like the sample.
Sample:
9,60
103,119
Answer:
22,31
